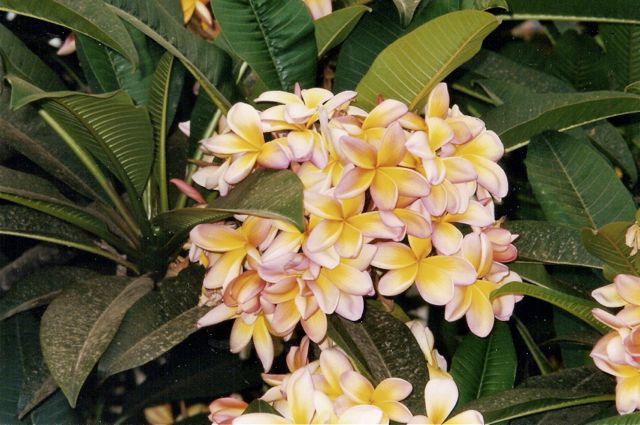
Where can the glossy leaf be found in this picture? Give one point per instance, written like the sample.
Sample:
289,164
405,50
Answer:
608,245
334,28
40,288
275,38
89,17
208,64
579,307
551,243
574,184
19,60
109,126
517,121
74,339
383,347
424,57
576,10
484,366
157,322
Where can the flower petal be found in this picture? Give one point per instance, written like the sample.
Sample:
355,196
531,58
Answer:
397,281
299,391
324,235
350,306
435,285
244,120
322,205
467,417
480,316
350,242
349,279
391,389
356,387
410,183
363,414
384,191
384,114
392,256
628,287
391,149
440,396
446,238
227,144
241,334
354,182
263,343
438,102
217,237
218,314
240,168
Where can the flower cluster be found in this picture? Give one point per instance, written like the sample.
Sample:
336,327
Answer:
618,352
331,390
387,193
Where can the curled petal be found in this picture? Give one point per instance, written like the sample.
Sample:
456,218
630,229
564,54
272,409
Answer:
354,182
217,237
263,343
392,149
350,306
467,417
240,168
384,191
362,414
446,238
608,296
218,314
410,183
628,287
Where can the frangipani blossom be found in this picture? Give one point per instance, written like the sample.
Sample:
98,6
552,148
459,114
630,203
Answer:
225,410
426,341
440,397
318,8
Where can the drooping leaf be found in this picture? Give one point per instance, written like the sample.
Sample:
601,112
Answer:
11,373
622,43
576,10
579,307
332,29
40,288
157,322
422,58
89,17
608,245
275,38
574,184
208,64
109,126
266,193
74,339
406,9
484,366
18,59
519,120
25,131
383,347
37,383
54,410
551,243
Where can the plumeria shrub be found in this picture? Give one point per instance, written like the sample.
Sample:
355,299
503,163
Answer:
251,211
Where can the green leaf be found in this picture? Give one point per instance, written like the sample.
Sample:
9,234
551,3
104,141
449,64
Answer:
334,28
610,141
451,40
383,347
265,193
275,38
37,383
406,9
551,243
157,322
532,347
630,419
484,366
578,59
40,288
24,131
96,65
54,410
11,372
518,120
569,179
89,17
576,10
208,64
622,43
74,339
18,59
260,406
579,307
608,244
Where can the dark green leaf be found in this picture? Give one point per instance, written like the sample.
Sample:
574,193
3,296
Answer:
275,38
406,9
574,184
608,244
532,347
383,347
209,64
610,141
579,307
199,419
19,60
260,406
576,10
74,339
332,29
40,288
96,65
630,419
157,322
11,372
518,120
622,43
450,39
551,243
484,366
89,17
55,410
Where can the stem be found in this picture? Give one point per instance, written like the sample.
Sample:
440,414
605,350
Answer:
162,149
536,353
95,171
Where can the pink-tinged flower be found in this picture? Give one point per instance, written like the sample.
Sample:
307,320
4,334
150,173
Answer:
246,146
236,245
501,242
211,177
605,353
632,238
623,292
375,167
318,8
332,365
446,237
424,337
188,190
407,222
339,223
225,410
441,396
386,396
435,276
243,301
69,45
297,358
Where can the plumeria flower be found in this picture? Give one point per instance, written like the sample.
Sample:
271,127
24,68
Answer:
375,167
211,177
434,276
440,397
225,410
426,341
246,146
632,238
623,292
318,8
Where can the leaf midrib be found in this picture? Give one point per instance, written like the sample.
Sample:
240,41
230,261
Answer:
267,43
484,365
